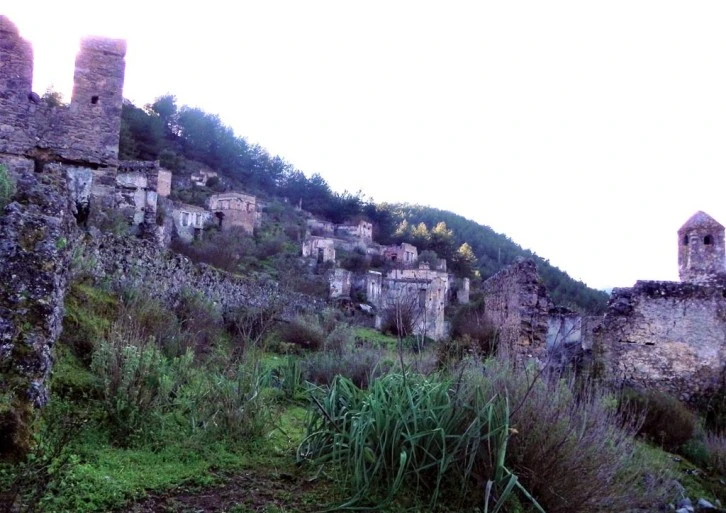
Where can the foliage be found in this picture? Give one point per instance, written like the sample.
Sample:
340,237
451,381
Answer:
408,432
470,322
88,315
716,448
567,437
361,365
28,485
493,251
667,421
7,187
303,331
52,98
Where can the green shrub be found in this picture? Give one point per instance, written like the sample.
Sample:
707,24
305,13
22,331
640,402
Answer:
7,187
303,331
470,325
89,311
138,384
667,421
147,395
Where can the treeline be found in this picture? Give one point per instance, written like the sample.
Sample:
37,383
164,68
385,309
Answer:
183,138
494,251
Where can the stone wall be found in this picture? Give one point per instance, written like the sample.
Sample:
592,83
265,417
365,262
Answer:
517,304
165,275
668,335
36,233
340,283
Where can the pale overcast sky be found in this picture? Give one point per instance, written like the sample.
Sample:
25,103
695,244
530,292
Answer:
588,132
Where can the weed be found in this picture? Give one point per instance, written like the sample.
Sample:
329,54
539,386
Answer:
7,187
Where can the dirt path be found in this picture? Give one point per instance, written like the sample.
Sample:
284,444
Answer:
246,492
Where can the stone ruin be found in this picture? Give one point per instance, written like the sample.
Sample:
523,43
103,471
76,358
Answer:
412,286
656,334
58,157
672,335
235,210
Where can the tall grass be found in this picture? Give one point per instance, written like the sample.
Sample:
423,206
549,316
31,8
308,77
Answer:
429,435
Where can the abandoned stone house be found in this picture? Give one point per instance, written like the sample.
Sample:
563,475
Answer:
404,254
421,294
189,221
235,210
320,248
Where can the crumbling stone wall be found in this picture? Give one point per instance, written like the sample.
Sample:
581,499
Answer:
422,293
517,304
667,335
141,264
86,131
36,237
340,283
137,192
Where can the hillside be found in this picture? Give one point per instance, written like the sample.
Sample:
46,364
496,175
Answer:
494,251
186,139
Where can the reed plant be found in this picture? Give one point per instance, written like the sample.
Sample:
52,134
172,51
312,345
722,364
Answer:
434,436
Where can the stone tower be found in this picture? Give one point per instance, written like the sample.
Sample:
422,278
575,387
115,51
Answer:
701,253
98,96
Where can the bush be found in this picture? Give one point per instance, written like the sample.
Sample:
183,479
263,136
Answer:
89,311
7,187
138,383
566,439
667,421
148,396
360,365
469,321
303,331
716,447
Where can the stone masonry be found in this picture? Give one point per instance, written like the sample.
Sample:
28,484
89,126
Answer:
516,303
672,335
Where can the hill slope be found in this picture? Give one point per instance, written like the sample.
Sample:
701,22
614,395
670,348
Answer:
186,138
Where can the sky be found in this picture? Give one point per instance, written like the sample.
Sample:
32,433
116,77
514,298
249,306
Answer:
587,132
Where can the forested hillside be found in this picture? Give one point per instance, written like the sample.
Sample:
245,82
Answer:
185,138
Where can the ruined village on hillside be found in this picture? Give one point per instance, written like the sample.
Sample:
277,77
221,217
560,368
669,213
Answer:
65,163
671,334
